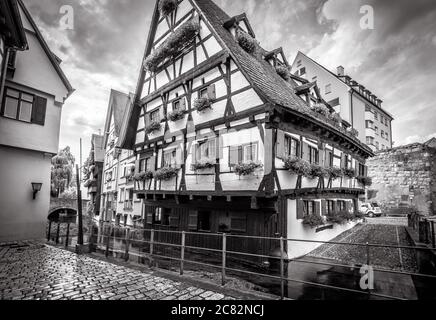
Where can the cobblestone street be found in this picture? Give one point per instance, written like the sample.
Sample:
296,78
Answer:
33,271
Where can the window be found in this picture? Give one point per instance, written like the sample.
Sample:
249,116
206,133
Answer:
302,71
375,115
206,150
12,58
170,158
328,89
177,105
362,170
330,207
369,124
298,63
292,147
155,116
238,222
382,119
342,205
146,165
157,217
18,105
368,108
383,147
330,158
204,220
387,136
386,122
314,78
376,130
122,195
166,215
240,154
382,134
203,93
309,207
313,155
377,145
370,140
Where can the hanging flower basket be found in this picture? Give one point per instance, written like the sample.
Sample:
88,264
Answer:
335,173
175,42
154,126
283,72
246,169
166,174
202,104
366,181
247,42
176,116
299,167
203,165
167,6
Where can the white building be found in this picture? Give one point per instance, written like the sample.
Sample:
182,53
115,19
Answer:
118,203
356,104
35,89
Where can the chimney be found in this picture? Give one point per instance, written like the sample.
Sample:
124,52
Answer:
341,71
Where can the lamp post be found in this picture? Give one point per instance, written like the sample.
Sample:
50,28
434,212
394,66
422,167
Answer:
79,207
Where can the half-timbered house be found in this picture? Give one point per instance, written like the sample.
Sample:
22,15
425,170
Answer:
229,141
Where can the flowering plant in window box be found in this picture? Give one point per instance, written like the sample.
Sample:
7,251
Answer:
172,45
154,126
143,176
335,173
316,171
335,118
202,165
248,168
353,132
202,104
349,173
176,115
299,167
341,217
321,109
167,6
283,72
313,220
166,173
366,181
246,41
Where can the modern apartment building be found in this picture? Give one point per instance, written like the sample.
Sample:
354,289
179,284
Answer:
119,203
357,105
218,129
34,90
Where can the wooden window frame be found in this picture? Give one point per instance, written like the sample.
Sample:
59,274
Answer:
289,143
242,147
155,111
19,101
313,151
173,153
198,151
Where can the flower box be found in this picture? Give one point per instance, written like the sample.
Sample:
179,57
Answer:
202,104
166,174
246,169
176,116
203,165
152,127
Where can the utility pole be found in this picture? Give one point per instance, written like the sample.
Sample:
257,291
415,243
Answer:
81,159
79,206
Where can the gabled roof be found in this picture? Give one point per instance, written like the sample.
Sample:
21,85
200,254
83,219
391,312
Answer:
12,25
53,59
118,105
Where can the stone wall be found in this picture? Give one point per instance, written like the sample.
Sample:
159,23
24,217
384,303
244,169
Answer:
404,176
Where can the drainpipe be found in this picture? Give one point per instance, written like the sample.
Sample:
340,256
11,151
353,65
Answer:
351,108
4,69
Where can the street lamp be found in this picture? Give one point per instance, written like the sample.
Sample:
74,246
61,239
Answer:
36,187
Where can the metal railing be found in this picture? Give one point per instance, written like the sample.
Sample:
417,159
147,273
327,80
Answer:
149,247
425,228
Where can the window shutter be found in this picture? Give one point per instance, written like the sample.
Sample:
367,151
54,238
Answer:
147,120
211,92
324,207
281,149
306,152
174,220
233,155
365,171
39,110
318,208
137,166
356,168
149,215
179,156
161,113
219,146
300,209
193,220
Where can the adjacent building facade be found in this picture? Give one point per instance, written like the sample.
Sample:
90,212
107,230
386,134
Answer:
119,203
357,105
94,172
34,91
222,134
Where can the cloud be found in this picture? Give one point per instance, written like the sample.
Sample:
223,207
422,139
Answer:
396,60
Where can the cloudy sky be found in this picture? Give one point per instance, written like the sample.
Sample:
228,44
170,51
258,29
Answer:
396,60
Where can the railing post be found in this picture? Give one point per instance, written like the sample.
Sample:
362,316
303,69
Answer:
151,247
49,231
57,233
182,261
282,269
223,271
68,236
108,242
368,263
126,254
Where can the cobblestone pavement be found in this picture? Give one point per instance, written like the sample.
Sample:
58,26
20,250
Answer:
34,271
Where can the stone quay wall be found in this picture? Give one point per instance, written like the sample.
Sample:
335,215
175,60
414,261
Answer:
404,177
